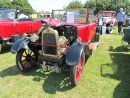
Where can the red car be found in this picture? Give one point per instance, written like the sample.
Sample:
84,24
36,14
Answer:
60,46
12,29
107,18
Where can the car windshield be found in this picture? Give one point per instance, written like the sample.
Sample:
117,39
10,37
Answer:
71,15
104,15
7,14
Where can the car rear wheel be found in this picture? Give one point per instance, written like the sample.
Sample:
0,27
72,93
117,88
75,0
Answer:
26,60
110,30
77,70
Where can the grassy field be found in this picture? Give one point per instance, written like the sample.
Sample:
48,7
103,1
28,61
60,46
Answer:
106,75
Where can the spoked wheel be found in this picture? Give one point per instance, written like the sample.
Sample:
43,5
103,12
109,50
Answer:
26,60
109,31
77,70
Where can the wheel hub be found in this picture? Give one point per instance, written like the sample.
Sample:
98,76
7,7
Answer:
28,58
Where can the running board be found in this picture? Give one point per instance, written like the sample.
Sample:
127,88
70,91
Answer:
92,47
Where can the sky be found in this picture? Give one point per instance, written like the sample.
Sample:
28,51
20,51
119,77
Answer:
48,5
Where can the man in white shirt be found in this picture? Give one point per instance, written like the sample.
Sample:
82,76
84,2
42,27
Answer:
22,16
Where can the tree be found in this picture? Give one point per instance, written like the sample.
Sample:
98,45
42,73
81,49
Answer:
112,5
6,4
23,6
90,4
75,4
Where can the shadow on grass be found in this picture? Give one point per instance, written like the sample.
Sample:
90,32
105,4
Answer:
56,82
10,71
119,49
5,48
53,82
120,70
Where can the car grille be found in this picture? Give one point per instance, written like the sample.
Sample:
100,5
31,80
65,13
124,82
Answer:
49,39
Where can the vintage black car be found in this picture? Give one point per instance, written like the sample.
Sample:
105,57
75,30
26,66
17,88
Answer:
59,46
127,23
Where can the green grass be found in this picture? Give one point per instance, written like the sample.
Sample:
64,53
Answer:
106,75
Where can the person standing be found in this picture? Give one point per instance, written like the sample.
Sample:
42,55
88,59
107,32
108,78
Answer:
120,19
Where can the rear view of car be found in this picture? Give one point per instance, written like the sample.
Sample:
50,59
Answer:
107,18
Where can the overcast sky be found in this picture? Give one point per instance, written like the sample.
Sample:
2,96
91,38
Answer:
48,5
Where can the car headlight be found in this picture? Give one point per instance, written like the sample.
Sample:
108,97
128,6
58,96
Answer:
62,40
25,34
79,39
34,38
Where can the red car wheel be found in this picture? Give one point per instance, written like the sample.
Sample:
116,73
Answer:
77,70
25,60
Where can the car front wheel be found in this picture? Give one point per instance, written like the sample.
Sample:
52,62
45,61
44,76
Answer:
77,70
26,60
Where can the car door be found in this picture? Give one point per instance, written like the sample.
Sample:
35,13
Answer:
23,26
8,28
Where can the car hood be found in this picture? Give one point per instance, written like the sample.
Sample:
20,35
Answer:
53,22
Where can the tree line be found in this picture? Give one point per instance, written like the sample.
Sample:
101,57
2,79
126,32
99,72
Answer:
100,5
22,5
96,5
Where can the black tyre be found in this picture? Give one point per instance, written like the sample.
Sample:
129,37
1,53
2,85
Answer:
110,30
77,70
26,60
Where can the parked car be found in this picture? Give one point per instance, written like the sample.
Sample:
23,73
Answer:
12,28
107,18
127,23
59,46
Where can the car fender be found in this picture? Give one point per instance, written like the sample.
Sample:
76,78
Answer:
74,53
20,44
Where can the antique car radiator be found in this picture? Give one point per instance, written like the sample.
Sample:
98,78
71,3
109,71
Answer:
50,41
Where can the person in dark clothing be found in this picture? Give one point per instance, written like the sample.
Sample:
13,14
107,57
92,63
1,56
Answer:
121,20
